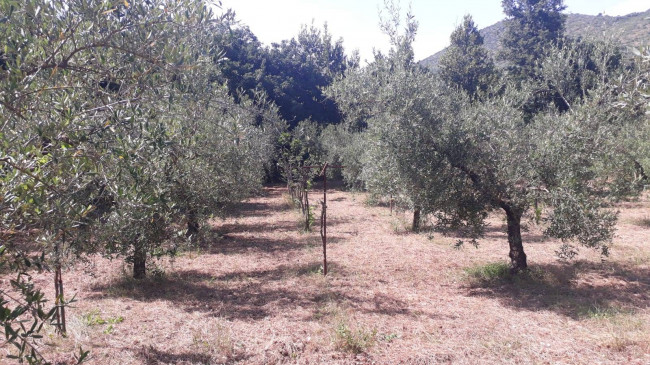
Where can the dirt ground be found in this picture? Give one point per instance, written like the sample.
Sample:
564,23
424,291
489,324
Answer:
256,295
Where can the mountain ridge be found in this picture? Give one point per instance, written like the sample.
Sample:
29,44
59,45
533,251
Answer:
630,30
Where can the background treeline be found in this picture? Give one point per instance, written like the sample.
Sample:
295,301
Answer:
124,127
292,73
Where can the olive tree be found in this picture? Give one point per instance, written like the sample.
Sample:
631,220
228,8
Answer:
460,160
207,156
108,112
362,96
638,97
344,146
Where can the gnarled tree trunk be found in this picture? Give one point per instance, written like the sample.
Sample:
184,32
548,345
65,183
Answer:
517,256
416,218
192,224
139,262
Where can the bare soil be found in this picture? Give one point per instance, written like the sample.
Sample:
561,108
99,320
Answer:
255,295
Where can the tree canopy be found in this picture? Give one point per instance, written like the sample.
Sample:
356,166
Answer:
459,160
466,63
116,135
292,73
532,26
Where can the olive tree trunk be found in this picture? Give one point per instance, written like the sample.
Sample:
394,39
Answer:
517,255
192,224
139,262
416,218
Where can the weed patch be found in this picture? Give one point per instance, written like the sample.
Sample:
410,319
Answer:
353,340
388,337
315,268
496,273
94,318
627,331
600,312
213,339
488,273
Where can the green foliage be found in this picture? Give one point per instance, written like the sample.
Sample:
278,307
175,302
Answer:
458,160
638,99
298,148
466,63
599,312
354,341
341,145
291,73
115,134
532,26
93,318
310,218
136,140
389,337
489,273
494,274
363,144
301,153
401,32
23,311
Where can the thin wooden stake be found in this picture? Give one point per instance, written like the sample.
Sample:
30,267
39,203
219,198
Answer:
56,298
323,218
59,301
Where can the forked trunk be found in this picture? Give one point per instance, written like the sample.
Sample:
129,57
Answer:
416,219
139,262
517,255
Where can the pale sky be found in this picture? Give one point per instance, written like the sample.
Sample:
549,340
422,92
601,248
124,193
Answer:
357,21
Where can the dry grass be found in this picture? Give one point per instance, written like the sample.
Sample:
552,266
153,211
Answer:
255,295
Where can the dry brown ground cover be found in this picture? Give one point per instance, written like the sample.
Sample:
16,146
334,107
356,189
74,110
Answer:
254,295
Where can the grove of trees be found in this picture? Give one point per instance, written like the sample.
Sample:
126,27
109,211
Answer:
126,126
117,137
547,137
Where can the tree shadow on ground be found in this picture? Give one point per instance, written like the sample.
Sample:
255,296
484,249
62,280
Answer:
257,209
497,232
282,226
332,185
240,245
580,290
152,356
389,305
333,221
526,237
641,222
237,245
232,238
248,295
238,295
